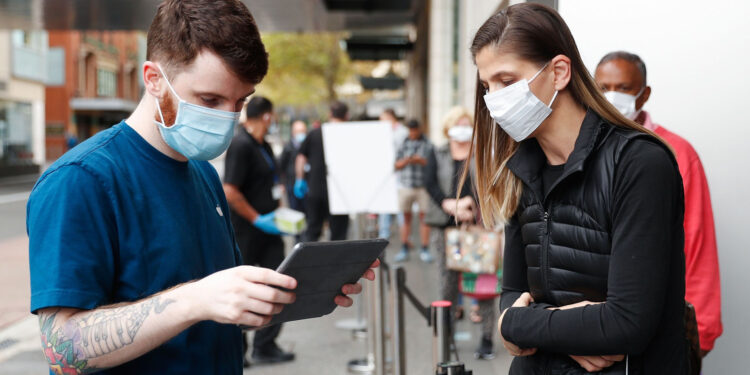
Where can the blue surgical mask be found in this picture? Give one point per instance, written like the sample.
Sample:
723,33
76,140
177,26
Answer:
198,133
299,138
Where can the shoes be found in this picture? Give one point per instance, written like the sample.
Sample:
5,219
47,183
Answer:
274,354
245,363
426,256
402,256
485,351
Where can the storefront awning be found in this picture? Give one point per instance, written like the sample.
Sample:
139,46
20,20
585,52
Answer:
102,105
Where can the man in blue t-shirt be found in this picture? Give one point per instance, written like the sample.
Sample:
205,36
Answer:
134,264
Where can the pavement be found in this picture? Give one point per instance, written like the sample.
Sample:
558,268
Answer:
320,347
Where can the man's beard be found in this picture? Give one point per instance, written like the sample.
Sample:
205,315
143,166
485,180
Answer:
167,110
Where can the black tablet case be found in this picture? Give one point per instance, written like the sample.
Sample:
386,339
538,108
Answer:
321,269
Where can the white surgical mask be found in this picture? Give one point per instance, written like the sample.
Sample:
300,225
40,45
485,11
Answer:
517,110
198,133
625,103
460,133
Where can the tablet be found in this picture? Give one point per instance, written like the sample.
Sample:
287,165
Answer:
321,270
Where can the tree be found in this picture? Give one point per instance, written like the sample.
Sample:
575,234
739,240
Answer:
304,68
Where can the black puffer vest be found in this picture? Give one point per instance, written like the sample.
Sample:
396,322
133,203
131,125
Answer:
566,233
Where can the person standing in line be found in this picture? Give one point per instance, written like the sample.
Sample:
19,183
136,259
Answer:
622,78
442,179
315,186
590,282
253,190
411,159
399,135
286,164
134,266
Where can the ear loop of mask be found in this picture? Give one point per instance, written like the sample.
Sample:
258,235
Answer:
158,107
534,77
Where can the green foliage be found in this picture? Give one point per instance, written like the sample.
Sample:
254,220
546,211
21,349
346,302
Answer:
304,68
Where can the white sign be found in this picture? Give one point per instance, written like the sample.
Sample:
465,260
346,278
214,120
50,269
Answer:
360,161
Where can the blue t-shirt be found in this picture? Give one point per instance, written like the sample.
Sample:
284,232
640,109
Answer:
115,220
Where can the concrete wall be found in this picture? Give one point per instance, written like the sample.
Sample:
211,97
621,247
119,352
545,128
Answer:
442,68
695,53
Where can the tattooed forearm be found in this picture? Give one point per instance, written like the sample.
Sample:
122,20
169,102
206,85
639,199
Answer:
71,344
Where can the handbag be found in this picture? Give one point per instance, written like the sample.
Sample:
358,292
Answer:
471,248
481,286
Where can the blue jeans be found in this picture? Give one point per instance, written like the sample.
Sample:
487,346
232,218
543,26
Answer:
384,224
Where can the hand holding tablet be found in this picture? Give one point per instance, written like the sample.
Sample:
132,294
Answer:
325,273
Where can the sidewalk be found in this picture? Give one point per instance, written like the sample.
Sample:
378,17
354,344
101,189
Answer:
14,280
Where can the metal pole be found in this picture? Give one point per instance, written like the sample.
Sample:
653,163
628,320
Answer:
365,365
440,313
377,334
374,362
397,308
369,294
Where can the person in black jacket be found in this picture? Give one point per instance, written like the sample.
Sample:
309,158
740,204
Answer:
286,164
251,185
593,269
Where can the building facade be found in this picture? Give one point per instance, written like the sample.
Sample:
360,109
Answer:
23,73
101,85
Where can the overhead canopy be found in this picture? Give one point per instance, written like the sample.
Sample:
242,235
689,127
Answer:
378,47
271,15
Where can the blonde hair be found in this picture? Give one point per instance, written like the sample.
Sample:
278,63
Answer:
535,33
454,114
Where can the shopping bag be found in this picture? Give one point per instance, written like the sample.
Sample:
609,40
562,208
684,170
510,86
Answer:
471,248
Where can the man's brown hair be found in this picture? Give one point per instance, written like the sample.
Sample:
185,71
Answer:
182,29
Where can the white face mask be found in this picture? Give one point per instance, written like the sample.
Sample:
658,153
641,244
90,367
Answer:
460,133
625,103
517,110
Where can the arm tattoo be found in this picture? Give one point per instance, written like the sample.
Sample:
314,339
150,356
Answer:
69,346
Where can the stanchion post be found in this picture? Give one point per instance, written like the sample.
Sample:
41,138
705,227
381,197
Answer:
397,308
440,317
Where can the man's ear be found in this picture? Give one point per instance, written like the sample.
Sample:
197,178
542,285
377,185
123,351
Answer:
152,79
562,68
643,98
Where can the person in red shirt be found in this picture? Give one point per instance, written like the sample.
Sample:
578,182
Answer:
622,77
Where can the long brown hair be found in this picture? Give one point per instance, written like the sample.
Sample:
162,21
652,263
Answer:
535,33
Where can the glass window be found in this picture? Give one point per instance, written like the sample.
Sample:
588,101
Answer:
106,83
15,133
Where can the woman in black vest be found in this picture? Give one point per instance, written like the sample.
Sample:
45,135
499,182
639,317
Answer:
593,277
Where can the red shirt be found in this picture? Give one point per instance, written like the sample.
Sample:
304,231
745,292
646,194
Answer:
702,285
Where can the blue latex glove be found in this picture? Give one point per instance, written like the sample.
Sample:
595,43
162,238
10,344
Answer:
267,223
300,188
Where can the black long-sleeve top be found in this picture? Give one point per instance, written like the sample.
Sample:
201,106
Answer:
639,315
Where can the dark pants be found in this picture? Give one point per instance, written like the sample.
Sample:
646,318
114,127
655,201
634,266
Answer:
317,213
262,250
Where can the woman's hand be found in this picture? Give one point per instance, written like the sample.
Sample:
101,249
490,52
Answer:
465,210
591,363
523,301
574,305
594,363
449,206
